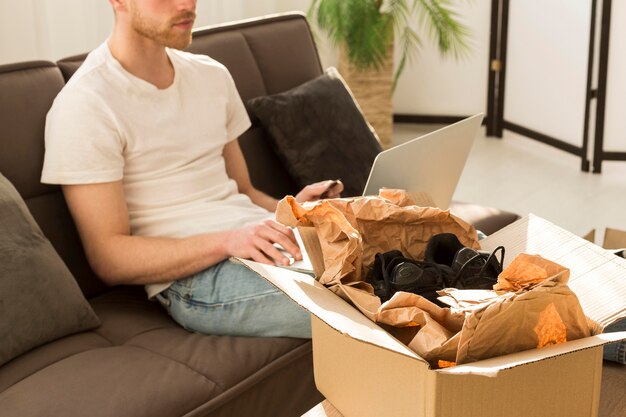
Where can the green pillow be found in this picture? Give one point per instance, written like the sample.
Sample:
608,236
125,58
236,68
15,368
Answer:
39,299
318,131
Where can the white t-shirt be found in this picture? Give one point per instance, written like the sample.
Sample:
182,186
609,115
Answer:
165,145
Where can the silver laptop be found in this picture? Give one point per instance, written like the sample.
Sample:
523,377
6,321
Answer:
432,163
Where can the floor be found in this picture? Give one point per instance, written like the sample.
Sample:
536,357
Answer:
525,176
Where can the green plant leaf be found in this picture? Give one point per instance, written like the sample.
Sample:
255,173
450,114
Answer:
365,28
443,25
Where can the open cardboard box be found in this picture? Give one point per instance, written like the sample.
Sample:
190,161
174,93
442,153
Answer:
364,371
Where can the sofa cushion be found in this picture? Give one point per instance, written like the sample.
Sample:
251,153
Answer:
319,132
486,219
267,171
27,91
39,299
70,65
139,362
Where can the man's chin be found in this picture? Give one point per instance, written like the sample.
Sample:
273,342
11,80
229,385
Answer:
175,40
178,42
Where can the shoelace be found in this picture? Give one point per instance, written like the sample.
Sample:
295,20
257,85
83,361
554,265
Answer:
482,269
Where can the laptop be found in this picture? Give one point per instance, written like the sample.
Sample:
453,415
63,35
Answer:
432,163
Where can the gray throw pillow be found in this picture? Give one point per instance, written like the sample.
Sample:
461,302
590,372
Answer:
39,299
319,132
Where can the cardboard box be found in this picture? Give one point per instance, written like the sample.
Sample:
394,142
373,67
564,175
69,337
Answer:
613,238
364,371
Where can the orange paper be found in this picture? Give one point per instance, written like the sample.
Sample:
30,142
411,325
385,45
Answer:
352,231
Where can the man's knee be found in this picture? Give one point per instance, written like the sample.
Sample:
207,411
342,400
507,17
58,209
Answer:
230,299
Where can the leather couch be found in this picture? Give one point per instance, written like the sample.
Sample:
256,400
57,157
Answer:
139,362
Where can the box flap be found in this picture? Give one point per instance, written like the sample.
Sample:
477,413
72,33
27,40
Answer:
491,367
597,276
614,239
312,248
328,307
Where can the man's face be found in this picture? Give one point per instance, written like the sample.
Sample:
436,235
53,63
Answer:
167,22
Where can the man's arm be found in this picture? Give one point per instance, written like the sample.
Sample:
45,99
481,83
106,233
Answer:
237,169
101,216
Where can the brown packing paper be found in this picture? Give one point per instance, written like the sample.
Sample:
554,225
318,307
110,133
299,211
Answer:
339,241
526,270
352,230
467,300
540,314
349,232
360,294
429,330
485,323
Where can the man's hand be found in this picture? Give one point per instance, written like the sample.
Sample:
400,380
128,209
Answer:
322,189
256,242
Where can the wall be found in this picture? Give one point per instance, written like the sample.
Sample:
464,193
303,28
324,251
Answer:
53,29
445,86
431,84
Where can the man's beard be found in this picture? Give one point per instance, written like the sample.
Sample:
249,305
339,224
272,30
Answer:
164,34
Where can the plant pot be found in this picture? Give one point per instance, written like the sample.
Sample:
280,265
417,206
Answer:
372,89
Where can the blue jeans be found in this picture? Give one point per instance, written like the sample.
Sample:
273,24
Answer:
230,299
616,352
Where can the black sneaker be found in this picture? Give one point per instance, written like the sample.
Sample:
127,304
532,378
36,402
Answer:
478,270
393,272
471,269
441,249
376,277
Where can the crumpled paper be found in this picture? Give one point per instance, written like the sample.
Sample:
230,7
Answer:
530,306
352,231
426,328
527,270
542,311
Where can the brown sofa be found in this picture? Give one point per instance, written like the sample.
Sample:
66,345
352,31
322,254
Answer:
139,362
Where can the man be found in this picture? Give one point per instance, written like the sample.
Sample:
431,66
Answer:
143,141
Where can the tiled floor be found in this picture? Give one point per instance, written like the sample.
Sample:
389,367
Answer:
525,176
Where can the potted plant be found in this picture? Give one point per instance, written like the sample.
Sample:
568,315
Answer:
365,31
